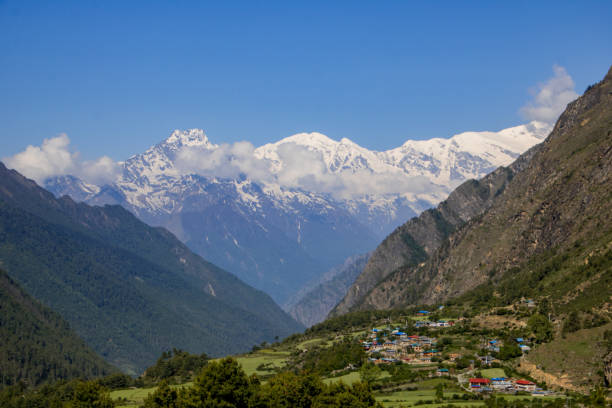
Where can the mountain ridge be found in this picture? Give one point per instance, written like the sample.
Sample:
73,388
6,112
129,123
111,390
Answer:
556,205
200,192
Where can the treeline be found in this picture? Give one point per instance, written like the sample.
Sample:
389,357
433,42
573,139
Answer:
175,366
63,394
225,384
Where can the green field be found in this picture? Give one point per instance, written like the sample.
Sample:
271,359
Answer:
270,359
134,396
351,378
318,341
409,398
493,373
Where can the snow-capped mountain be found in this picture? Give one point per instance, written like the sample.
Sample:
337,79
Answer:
281,214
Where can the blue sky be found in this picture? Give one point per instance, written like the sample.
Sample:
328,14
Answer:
117,77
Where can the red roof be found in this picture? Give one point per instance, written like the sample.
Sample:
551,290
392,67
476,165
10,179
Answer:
479,381
524,382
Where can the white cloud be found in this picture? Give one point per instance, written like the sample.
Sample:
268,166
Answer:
301,168
54,158
551,97
223,161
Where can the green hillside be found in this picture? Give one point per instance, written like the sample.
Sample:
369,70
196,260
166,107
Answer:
129,290
37,345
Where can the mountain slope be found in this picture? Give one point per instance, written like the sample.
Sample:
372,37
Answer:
37,345
313,304
277,224
131,291
421,236
549,233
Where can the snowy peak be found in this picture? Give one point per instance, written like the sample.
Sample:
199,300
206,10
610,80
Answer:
187,138
312,139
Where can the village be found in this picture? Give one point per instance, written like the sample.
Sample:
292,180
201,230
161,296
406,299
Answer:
395,346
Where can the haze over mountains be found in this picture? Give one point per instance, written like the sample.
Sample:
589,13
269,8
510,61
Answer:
280,215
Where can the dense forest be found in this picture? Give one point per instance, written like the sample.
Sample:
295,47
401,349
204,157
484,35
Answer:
37,345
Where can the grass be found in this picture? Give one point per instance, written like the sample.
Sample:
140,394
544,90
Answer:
135,397
351,378
577,356
272,359
493,373
409,398
318,341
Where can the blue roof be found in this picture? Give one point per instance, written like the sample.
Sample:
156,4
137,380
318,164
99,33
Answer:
520,339
498,379
423,311
443,369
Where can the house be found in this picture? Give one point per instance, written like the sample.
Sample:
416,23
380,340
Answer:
422,313
453,356
501,383
479,384
486,360
442,372
524,385
494,346
524,348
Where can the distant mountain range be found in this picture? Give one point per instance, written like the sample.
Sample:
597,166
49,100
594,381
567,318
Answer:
282,214
312,304
540,228
129,290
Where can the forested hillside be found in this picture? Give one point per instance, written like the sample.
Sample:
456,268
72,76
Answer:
129,290
37,345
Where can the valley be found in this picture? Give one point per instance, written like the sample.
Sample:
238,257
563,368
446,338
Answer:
335,238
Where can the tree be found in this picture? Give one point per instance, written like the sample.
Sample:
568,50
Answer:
509,351
220,384
290,390
90,394
163,397
439,391
572,323
338,395
541,328
369,373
